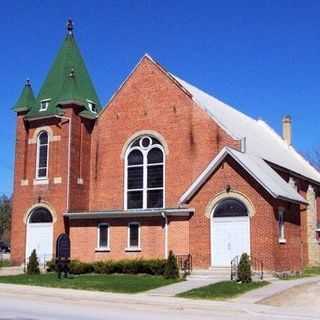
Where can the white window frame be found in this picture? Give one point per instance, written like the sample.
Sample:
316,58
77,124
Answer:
144,166
134,248
44,104
91,104
281,225
100,248
38,156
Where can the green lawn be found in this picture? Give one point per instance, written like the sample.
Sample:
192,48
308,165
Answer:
111,283
311,271
222,290
307,272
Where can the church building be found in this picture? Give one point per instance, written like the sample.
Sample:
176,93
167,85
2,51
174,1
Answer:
161,166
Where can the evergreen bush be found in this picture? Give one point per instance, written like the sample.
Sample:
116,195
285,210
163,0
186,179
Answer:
33,264
132,266
171,270
51,266
77,267
244,269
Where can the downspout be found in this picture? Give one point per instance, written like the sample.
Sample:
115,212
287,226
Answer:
69,156
164,216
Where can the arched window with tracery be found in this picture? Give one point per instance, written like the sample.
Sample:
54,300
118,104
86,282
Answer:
144,174
42,155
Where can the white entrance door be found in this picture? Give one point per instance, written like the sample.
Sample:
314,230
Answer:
230,238
40,237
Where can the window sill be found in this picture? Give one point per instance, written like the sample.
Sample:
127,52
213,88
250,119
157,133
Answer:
102,249
282,241
133,249
41,181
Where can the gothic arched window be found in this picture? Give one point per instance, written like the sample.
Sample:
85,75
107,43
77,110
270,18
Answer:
144,173
42,155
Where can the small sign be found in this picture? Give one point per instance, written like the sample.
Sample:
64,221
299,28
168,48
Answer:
63,246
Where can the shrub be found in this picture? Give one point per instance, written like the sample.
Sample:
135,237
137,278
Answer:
154,267
51,266
5,263
171,270
77,267
33,264
132,266
104,267
244,269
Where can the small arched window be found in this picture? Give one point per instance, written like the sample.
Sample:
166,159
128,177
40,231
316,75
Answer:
144,185
40,215
42,155
230,208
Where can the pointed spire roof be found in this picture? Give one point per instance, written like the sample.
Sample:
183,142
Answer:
67,82
26,100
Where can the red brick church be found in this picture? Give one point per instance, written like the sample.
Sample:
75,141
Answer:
162,166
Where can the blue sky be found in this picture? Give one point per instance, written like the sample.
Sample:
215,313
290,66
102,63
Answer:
259,56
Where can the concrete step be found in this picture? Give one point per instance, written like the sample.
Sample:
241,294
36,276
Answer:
211,271
223,274
210,274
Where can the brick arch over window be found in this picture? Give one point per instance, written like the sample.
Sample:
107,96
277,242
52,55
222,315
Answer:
52,137
231,194
137,134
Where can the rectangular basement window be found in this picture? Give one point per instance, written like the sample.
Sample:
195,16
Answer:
133,237
103,236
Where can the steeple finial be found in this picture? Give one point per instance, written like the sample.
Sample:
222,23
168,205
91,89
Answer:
28,83
70,27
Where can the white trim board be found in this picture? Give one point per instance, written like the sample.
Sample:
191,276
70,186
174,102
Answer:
257,168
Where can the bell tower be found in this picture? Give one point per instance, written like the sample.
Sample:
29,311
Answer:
53,144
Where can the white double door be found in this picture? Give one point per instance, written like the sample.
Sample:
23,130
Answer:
40,238
230,237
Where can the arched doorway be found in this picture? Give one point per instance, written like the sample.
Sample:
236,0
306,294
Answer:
40,234
230,231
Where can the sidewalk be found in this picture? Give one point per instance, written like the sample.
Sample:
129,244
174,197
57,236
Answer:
176,288
276,287
146,302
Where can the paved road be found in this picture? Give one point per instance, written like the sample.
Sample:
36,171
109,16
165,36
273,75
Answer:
42,303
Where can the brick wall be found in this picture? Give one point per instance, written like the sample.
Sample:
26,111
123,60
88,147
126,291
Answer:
28,193
149,100
263,225
83,235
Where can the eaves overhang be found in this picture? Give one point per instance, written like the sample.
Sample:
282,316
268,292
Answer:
130,213
213,165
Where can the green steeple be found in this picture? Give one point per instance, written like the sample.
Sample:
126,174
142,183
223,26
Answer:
68,81
26,100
